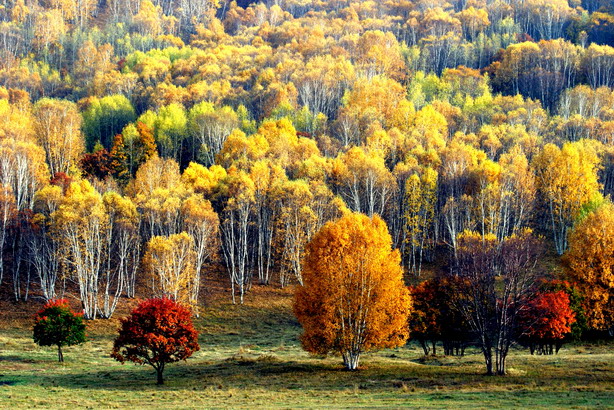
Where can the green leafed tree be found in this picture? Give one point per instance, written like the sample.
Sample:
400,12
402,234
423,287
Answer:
56,324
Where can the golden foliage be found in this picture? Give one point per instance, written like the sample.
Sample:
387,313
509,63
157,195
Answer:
170,262
590,261
353,298
567,179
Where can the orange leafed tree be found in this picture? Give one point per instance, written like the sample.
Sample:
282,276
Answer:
353,298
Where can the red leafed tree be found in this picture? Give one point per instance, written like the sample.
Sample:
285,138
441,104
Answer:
434,318
97,164
62,180
157,332
546,321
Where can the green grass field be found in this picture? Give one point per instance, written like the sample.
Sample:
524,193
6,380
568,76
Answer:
250,356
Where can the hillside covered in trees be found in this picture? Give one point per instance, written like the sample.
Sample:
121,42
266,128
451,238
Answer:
147,146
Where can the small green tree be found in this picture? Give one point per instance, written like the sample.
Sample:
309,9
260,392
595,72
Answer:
56,324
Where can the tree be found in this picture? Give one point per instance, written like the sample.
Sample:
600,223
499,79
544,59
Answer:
576,303
208,128
96,164
353,298
434,318
537,70
600,27
49,26
81,225
57,124
378,53
157,332
106,117
567,180
474,21
170,263
493,282
139,144
148,20
441,35
43,246
192,12
590,263
267,178
375,99
22,168
425,320
597,65
236,219
297,222
170,130
158,192
545,18
322,81
363,180
118,159
56,324
202,223
90,67
421,197
123,250
546,321
8,212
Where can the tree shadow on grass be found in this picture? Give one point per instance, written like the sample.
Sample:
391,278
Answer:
276,375
230,373
17,358
318,379
277,372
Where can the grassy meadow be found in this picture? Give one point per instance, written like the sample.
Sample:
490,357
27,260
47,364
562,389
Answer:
250,356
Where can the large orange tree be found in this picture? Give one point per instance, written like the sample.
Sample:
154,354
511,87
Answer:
353,298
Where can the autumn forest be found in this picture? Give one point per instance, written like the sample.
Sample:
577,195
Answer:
395,173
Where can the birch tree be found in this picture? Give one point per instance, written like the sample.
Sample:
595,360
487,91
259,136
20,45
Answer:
353,299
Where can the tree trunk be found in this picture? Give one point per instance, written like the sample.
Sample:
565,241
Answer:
60,354
425,347
488,360
350,360
159,371
501,356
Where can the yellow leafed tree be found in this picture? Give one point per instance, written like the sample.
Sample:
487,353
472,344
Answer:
421,197
202,223
81,225
57,124
590,261
567,180
170,262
